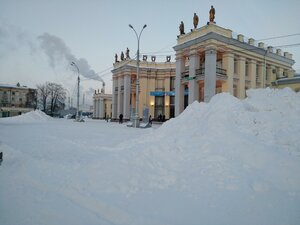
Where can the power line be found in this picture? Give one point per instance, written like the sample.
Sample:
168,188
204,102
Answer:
283,36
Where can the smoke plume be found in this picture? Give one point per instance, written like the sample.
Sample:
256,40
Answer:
57,50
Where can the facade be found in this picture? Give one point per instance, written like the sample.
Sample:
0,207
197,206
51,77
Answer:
156,88
102,105
210,60
16,100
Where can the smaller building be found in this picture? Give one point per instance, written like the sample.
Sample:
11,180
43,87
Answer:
16,100
156,88
291,82
102,104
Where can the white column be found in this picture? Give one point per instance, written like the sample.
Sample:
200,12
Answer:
193,85
97,109
126,101
101,108
114,100
261,74
210,73
252,73
228,65
119,109
94,110
241,74
179,88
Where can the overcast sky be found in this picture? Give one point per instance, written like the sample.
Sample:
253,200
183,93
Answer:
39,37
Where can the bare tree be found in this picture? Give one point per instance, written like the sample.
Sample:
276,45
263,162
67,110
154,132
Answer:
43,94
57,97
51,97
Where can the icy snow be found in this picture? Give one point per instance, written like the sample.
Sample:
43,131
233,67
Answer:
225,162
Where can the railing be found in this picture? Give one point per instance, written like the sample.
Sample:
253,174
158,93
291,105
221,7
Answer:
221,74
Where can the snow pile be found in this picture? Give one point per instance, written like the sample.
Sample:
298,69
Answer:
32,116
228,161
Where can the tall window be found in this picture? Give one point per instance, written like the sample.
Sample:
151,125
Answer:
247,68
172,83
235,66
159,106
159,84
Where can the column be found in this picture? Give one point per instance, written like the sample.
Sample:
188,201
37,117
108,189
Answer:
193,85
94,110
228,65
97,108
241,74
119,109
114,99
269,74
126,100
101,108
261,75
179,88
252,73
210,73
279,72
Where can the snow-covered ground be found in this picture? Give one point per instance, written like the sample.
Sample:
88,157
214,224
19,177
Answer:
226,162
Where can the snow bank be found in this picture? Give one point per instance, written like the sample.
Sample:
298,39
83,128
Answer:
228,161
32,116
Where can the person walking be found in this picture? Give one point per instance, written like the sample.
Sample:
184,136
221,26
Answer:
150,120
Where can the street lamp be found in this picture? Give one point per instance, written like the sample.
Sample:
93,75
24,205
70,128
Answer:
77,113
136,121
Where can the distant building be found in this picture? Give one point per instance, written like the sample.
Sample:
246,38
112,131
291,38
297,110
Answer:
211,60
16,100
102,105
156,88
291,82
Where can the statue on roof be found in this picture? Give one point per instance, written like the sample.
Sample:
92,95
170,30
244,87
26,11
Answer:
212,12
181,28
195,20
127,54
122,56
116,58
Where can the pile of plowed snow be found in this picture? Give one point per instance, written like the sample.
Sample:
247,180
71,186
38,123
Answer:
226,144
32,116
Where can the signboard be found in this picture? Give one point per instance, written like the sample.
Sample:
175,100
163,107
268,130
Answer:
157,93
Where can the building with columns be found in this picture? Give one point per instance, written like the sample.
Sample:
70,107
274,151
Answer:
210,60
102,105
156,88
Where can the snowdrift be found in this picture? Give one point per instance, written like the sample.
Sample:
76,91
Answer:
33,116
228,161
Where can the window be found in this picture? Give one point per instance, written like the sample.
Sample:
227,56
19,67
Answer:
20,99
172,83
246,68
13,93
160,84
235,66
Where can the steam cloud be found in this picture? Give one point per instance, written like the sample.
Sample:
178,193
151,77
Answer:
56,50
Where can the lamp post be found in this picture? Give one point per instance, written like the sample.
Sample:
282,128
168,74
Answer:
136,121
77,113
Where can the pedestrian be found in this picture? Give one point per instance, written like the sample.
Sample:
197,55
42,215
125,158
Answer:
150,120
121,118
163,118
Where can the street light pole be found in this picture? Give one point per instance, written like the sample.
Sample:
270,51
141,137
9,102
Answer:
77,113
136,122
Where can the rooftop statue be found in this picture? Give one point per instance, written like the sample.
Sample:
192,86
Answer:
212,14
122,56
195,20
181,28
127,54
116,58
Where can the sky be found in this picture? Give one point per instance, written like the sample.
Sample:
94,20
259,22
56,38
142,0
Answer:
39,38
